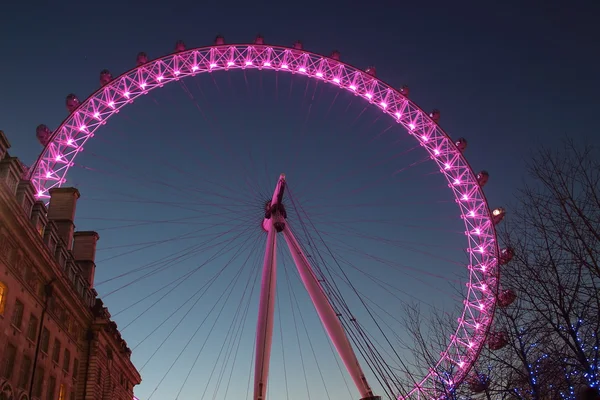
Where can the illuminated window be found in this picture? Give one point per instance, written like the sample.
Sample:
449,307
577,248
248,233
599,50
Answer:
62,392
3,295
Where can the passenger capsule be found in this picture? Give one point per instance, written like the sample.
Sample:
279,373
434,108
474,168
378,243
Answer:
497,340
498,215
335,55
461,144
219,40
179,46
72,102
43,134
478,383
506,297
298,45
371,71
482,178
405,90
105,77
259,40
506,255
142,58
435,116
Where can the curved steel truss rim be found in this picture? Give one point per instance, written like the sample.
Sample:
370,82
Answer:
67,141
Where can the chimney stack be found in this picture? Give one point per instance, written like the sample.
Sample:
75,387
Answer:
62,211
84,253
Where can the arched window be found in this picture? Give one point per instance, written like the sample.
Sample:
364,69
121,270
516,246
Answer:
3,295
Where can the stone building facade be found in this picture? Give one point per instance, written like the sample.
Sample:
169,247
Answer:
57,340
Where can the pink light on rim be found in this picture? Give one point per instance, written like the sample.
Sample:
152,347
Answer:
39,193
461,364
70,142
319,74
398,115
336,80
436,152
248,62
267,64
97,115
411,126
352,87
126,94
465,197
143,85
230,63
425,138
195,68
302,69
83,128
177,72
368,96
457,181
471,214
213,65
477,231
58,158
447,166
48,174
383,104
284,66
160,78
111,104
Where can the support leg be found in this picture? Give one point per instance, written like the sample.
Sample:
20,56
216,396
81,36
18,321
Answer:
264,328
328,316
273,223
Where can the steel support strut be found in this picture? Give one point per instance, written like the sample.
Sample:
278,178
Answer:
328,316
274,223
266,311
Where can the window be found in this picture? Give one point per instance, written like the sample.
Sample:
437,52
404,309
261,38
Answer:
38,382
75,368
66,360
24,373
9,361
62,392
3,295
56,351
17,316
45,342
32,328
51,388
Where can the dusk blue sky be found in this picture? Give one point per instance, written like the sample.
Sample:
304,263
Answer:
509,76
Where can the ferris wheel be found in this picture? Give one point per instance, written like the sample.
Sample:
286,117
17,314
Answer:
473,329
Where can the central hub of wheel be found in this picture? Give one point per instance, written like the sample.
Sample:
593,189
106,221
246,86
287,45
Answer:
275,214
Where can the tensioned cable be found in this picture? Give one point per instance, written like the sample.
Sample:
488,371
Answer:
291,195
228,290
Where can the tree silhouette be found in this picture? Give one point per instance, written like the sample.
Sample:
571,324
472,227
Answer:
552,328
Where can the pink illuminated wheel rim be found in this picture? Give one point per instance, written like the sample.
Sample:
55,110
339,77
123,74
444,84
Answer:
51,168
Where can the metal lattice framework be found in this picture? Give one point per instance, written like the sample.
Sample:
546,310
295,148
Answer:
50,170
